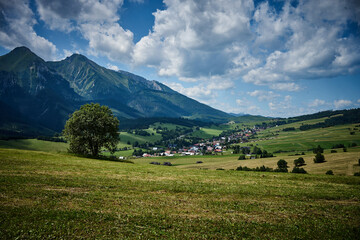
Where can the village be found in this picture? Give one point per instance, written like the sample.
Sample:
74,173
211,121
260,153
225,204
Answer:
216,146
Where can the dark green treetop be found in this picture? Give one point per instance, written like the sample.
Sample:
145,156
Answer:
92,128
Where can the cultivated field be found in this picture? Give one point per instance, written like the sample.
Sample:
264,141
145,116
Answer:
274,139
51,195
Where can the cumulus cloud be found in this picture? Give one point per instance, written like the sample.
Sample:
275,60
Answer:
17,28
338,104
245,106
316,103
263,95
96,20
205,91
282,107
192,40
306,41
262,45
112,67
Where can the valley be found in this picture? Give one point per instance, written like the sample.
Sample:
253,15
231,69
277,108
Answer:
181,169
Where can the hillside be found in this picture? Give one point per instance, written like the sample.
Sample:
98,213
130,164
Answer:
49,195
43,94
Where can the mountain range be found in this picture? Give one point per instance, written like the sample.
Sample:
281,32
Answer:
36,96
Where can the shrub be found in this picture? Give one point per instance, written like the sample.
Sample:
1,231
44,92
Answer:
282,166
330,172
357,174
345,149
339,145
265,154
318,149
281,170
319,158
167,164
257,169
240,168
241,157
298,170
359,161
353,144
220,169
155,163
199,162
333,151
299,162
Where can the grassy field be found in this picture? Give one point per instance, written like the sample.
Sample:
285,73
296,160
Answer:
207,133
128,137
34,144
274,139
53,196
341,163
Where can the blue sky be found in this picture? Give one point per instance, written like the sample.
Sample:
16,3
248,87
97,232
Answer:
272,58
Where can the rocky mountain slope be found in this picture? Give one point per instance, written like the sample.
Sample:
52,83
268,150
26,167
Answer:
41,95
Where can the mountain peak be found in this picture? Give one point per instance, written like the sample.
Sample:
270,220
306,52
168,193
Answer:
22,49
18,58
77,56
24,52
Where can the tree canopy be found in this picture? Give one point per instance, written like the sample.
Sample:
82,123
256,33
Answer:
92,128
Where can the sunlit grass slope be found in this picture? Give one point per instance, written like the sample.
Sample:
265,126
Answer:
341,163
50,195
274,139
34,144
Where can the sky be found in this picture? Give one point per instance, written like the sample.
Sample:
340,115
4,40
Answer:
265,57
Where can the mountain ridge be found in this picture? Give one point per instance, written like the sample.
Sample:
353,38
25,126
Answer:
47,92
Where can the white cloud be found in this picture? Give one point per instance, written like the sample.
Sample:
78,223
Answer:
241,102
292,87
112,67
283,107
17,29
306,41
338,104
199,41
316,103
198,92
194,40
263,95
358,101
287,98
206,91
96,20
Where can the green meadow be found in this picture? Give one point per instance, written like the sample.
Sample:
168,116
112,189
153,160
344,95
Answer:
60,196
47,193
274,139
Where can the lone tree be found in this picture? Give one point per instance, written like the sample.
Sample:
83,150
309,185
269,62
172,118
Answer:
319,158
92,128
282,166
299,162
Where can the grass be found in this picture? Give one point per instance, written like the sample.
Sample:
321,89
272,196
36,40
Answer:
50,195
34,144
128,137
342,163
274,139
207,133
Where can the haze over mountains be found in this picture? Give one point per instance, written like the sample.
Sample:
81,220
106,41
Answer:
38,96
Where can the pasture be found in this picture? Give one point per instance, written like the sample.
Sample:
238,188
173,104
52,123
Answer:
274,139
52,195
